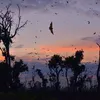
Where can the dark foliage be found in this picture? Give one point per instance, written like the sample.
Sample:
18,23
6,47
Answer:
18,68
44,80
55,67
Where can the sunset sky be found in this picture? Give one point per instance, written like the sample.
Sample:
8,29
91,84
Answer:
72,30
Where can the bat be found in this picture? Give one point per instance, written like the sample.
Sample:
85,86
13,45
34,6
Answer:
51,28
35,36
94,33
88,22
67,1
56,13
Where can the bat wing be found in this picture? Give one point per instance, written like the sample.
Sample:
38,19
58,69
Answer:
51,28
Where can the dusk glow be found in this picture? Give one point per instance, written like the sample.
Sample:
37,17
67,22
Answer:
50,49
70,23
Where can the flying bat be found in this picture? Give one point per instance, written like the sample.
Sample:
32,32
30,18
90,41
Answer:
35,36
67,1
94,33
88,22
56,13
51,28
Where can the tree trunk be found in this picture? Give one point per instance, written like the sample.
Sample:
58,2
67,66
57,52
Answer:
57,82
98,78
9,65
74,85
67,77
98,71
8,56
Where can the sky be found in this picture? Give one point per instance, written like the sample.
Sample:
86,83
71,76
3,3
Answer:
74,24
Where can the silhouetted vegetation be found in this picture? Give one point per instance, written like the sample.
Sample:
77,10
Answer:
50,85
55,67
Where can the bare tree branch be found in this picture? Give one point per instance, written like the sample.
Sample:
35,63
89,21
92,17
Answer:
6,22
18,26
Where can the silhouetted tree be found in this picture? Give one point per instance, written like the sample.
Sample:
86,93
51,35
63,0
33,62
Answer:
74,62
98,70
52,79
67,64
80,84
32,82
5,77
3,50
6,36
17,69
33,76
55,67
6,23
44,80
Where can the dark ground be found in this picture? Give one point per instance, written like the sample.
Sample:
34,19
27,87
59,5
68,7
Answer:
49,95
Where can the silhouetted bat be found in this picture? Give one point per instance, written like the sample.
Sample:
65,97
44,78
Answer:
88,22
94,33
51,28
